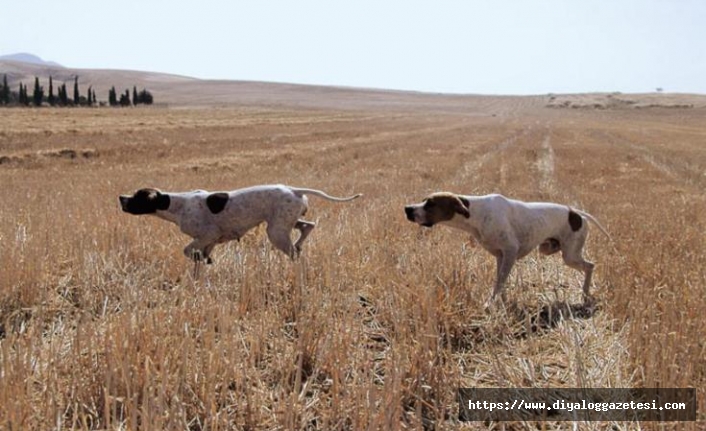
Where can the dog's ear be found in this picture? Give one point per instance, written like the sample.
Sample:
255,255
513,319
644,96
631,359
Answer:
162,201
461,206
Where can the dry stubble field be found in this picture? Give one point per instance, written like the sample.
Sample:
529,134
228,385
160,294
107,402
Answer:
103,327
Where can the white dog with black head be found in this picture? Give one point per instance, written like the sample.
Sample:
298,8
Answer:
211,218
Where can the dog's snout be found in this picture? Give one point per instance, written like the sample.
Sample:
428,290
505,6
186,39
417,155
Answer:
409,211
123,201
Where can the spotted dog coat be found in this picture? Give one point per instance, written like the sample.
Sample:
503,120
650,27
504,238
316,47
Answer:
212,218
509,229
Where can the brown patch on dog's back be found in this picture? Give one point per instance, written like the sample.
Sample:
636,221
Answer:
575,221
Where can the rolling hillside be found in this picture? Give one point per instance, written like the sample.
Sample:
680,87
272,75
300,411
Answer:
179,90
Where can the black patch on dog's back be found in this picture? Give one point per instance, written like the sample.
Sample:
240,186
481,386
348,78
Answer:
216,202
575,221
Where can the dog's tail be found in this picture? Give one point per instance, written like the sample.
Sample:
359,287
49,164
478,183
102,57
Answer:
299,192
594,221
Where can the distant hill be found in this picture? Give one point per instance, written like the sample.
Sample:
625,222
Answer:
177,90
28,58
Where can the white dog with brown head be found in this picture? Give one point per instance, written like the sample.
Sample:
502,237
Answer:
509,229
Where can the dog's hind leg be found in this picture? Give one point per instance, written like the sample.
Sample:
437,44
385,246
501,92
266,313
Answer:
579,263
572,253
305,227
280,237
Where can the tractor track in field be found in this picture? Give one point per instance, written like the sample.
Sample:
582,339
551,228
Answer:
545,166
470,169
679,172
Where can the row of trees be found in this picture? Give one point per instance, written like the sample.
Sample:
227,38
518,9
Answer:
143,97
22,98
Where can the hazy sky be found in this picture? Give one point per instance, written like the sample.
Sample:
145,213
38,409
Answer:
471,46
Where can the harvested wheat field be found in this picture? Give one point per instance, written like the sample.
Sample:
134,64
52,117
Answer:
103,325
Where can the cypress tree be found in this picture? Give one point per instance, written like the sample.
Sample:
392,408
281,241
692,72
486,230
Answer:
50,98
135,101
38,95
24,100
145,97
125,98
5,92
62,99
76,95
112,97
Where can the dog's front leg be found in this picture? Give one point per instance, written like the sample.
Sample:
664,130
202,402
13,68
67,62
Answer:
504,260
199,250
